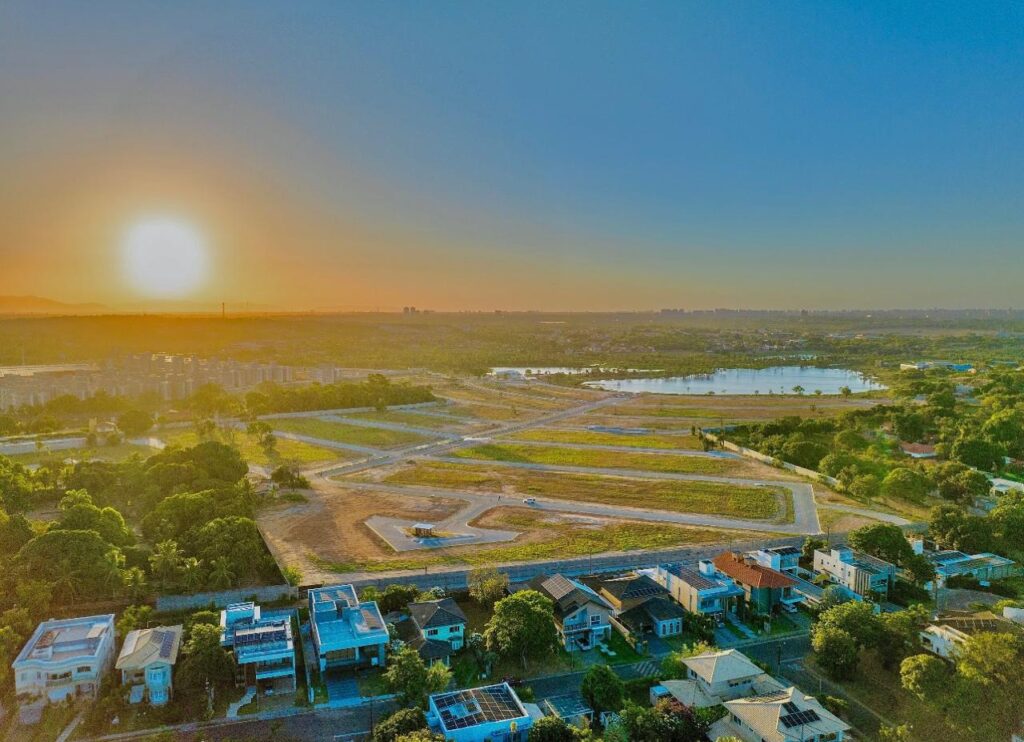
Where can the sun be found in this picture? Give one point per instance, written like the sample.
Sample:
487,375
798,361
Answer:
164,257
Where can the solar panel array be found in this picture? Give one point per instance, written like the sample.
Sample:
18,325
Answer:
166,643
250,636
468,708
558,586
799,718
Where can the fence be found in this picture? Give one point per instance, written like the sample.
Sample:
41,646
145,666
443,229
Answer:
222,598
765,459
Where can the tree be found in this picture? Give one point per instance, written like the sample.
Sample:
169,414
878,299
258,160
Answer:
397,597
134,617
551,729
487,585
883,540
924,676
979,453
191,574
906,484
409,677
401,722
810,545
1006,427
836,651
832,596
602,689
222,575
165,563
420,735
135,422
865,486
1008,518
952,528
989,658
900,733
856,618
205,660
76,563
522,624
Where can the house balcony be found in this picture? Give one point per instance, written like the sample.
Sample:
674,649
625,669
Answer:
274,669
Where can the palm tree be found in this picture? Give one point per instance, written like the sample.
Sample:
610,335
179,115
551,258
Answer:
165,562
221,574
135,583
113,571
66,582
191,574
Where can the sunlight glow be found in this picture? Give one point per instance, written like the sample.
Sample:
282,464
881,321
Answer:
164,257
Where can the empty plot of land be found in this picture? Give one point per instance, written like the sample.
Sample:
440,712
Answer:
294,453
358,435
605,438
687,496
119,452
418,419
604,459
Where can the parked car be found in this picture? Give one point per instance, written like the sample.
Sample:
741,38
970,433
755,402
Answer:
530,500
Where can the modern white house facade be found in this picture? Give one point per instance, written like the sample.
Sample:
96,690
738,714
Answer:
854,570
346,632
65,658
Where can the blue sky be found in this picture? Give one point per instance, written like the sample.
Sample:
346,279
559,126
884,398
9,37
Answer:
532,155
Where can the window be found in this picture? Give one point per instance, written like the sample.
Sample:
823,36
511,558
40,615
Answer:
83,668
432,632
595,620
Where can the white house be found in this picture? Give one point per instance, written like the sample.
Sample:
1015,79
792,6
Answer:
704,591
945,635
785,559
65,658
854,570
493,713
345,631
147,662
787,715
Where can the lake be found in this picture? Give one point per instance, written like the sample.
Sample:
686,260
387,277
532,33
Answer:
776,379
570,370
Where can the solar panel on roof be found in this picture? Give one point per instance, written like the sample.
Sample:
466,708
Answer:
799,718
166,643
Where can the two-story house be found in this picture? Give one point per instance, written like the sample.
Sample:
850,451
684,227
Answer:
862,573
436,629
65,658
641,608
785,559
262,644
765,590
581,615
147,662
345,631
704,591
715,677
946,635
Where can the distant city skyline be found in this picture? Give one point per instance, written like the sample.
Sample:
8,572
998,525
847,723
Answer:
459,156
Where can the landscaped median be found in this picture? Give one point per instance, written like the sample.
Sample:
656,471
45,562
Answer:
357,435
752,502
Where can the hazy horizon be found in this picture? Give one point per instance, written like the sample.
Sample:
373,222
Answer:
460,157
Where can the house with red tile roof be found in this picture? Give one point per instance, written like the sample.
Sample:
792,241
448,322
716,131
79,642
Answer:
765,590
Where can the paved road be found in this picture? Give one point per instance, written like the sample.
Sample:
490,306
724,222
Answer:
884,517
624,449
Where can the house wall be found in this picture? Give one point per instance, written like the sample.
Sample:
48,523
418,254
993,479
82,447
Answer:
453,634
85,674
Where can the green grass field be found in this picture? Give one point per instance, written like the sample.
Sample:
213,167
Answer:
358,435
409,417
713,498
294,453
601,438
119,452
555,456
561,540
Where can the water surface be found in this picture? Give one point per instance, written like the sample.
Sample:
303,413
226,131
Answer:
773,380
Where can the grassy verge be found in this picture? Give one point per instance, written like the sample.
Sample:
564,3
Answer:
408,417
712,498
294,453
555,456
119,452
603,438
344,433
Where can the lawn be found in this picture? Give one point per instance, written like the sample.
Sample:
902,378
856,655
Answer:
713,498
357,435
295,453
596,458
563,540
408,417
604,438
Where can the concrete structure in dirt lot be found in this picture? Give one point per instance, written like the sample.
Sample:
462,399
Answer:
65,658
493,713
704,591
147,662
581,615
765,590
345,632
854,570
262,645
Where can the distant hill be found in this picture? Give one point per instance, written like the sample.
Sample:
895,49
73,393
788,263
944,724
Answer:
42,305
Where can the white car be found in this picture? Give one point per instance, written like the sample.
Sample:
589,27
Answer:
530,500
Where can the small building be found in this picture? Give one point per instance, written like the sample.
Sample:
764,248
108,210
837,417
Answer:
984,567
918,450
570,708
764,589
423,530
704,591
582,616
493,713
854,570
725,675
345,631
788,715
147,662
435,629
65,658
262,644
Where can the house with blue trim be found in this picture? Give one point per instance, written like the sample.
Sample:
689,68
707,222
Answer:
345,631
262,645
147,662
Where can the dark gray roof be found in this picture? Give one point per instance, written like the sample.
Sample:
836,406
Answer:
566,595
435,613
691,577
663,609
